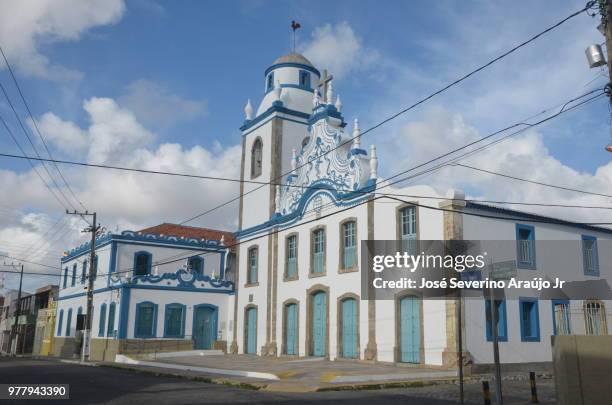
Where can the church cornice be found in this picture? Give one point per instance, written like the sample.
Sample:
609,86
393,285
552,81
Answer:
275,108
294,65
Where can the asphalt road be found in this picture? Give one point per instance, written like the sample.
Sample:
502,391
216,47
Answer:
103,385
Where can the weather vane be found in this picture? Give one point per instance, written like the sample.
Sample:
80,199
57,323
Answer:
294,26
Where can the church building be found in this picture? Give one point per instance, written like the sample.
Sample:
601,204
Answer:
288,282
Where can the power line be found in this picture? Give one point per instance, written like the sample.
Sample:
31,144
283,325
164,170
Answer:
531,181
29,262
61,203
10,69
25,132
588,6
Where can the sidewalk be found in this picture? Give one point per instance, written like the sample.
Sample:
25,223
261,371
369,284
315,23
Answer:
288,375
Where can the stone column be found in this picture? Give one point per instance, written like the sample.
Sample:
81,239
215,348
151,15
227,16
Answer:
371,351
453,230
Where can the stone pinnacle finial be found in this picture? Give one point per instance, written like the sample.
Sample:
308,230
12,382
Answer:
356,135
315,99
277,200
373,163
248,110
222,241
338,103
329,97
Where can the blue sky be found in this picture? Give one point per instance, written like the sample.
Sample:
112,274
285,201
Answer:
162,85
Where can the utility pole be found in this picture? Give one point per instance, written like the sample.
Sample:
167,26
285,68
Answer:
606,18
90,284
17,309
494,321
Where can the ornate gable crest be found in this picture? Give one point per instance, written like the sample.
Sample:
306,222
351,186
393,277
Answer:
329,163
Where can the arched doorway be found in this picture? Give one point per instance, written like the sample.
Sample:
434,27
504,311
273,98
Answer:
291,329
410,329
319,324
349,324
250,329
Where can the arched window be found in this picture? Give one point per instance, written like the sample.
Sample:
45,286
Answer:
256,158
110,331
348,234
102,323
196,264
142,263
84,272
59,323
73,280
304,79
305,141
252,265
68,322
270,82
65,283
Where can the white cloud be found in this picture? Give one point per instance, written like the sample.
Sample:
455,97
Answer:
154,105
524,156
26,24
122,199
338,49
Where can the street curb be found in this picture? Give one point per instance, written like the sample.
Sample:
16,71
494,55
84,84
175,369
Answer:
191,377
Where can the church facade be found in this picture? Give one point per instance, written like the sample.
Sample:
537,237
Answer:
309,197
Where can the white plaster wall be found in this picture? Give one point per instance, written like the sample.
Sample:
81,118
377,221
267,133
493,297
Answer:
103,254
258,292
257,201
565,263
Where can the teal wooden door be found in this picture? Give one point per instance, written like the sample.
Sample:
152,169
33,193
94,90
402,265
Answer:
319,324
251,331
204,327
410,330
292,330
349,328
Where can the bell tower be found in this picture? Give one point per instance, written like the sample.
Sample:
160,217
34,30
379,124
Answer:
272,132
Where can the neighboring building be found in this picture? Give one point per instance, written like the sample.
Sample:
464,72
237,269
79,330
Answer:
146,296
296,279
19,338
46,298
7,320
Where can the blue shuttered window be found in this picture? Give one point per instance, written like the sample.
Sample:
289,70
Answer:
196,264
65,283
142,263
530,319
318,251
102,323
590,258
84,272
502,325
110,330
60,321
408,229
525,247
292,256
73,280
304,79
146,320
69,322
349,247
253,263
174,321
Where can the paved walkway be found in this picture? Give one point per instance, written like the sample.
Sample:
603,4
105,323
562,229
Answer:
284,374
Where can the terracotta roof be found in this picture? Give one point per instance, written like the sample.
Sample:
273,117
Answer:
293,58
191,232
